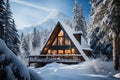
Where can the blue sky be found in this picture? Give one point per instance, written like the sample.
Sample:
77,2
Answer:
30,12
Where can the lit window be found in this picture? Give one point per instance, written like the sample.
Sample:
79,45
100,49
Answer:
60,41
54,51
49,51
67,42
73,51
67,51
55,42
60,51
61,33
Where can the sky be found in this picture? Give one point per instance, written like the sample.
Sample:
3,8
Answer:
30,12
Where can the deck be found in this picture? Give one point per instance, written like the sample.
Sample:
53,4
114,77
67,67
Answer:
44,59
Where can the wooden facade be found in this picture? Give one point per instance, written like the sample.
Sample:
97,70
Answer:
60,48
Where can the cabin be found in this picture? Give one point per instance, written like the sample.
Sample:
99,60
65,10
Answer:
64,45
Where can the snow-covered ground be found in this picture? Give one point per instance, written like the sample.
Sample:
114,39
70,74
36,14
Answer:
91,70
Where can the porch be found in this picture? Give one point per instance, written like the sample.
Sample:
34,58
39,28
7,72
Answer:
49,58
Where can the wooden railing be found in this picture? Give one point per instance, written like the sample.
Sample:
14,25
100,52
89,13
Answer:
70,58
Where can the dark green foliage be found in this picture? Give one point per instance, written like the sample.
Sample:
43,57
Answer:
8,31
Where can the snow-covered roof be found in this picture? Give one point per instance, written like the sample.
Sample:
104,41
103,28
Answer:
83,45
77,32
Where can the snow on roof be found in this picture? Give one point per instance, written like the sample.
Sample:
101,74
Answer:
69,31
77,32
84,44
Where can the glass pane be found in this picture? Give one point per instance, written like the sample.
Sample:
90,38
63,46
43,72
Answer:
60,41
54,51
55,42
61,33
60,51
67,41
73,51
67,51
49,51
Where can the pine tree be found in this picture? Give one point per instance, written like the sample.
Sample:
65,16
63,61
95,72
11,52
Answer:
98,34
10,36
25,47
2,18
36,39
8,31
112,19
78,22
22,36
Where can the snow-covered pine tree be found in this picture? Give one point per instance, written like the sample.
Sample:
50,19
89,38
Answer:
98,35
112,20
11,67
21,36
8,31
25,50
2,18
78,22
45,35
34,44
25,47
38,38
35,40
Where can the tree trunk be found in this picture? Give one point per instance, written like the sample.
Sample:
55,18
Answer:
116,51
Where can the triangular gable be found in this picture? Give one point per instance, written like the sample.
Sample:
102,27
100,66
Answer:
69,32
74,40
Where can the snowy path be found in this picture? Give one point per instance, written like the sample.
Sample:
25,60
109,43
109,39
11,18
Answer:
92,70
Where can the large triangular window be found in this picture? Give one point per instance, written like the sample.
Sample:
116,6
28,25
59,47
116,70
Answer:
62,45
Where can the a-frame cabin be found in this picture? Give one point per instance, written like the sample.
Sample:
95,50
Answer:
64,45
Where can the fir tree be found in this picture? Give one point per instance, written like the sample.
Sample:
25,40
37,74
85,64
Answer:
2,18
78,22
98,34
10,35
112,19
36,39
22,36
8,31
25,47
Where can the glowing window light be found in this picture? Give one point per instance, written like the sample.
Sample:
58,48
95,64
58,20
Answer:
67,51
55,42
67,42
73,51
49,51
61,33
60,51
45,49
60,41
54,51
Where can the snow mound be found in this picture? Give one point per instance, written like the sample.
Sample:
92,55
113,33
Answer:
117,75
90,70
12,66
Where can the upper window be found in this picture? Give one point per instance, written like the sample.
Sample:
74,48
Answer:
61,33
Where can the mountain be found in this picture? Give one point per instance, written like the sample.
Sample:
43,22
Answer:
48,23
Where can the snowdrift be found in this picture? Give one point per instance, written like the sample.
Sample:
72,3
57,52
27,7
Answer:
90,70
12,67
